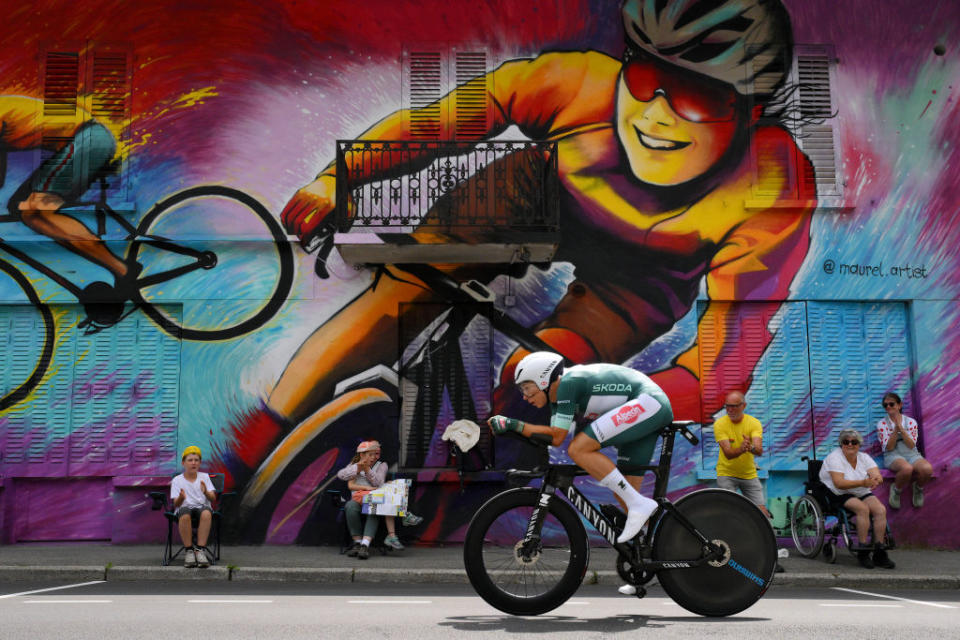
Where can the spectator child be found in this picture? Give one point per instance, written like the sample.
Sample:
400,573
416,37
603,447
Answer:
192,495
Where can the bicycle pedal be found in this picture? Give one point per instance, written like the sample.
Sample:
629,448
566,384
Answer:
641,592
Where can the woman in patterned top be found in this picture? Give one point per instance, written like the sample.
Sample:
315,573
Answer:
898,437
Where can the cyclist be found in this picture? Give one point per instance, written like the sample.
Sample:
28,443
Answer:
82,152
622,407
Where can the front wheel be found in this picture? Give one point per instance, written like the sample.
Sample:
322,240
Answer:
531,583
731,583
234,262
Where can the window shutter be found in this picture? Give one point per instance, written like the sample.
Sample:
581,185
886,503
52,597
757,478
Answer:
813,69
109,102
61,84
471,95
424,88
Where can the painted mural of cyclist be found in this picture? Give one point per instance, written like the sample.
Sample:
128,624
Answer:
655,162
61,179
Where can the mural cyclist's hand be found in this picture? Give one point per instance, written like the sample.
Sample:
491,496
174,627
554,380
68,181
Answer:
309,207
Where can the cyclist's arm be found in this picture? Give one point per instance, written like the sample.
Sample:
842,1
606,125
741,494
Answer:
558,435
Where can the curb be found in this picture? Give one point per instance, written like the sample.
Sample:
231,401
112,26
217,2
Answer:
34,574
347,575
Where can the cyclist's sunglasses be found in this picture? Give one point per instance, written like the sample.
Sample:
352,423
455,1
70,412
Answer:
692,96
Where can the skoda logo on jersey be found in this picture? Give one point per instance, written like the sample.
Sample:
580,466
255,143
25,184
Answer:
612,387
627,414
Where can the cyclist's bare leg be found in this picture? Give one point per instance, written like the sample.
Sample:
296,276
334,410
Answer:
40,212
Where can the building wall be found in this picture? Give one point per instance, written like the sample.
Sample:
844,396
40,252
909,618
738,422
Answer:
711,286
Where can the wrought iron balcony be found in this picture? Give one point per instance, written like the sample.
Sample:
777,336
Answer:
455,201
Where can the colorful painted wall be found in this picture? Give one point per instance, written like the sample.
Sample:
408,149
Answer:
706,237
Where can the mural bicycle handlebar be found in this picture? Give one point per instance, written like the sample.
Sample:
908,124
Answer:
526,550
169,259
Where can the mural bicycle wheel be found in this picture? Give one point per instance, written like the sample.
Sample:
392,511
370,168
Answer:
248,263
26,361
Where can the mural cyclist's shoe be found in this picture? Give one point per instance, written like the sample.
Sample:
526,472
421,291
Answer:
917,495
190,559
393,542
895,497
412,519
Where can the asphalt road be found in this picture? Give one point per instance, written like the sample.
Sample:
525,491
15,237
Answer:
239,610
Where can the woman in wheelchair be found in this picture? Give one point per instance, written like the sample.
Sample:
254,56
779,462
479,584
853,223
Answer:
850,475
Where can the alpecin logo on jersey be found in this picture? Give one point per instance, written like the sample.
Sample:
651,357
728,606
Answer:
627,414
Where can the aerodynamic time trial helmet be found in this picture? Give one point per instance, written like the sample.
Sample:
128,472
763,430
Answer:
539,367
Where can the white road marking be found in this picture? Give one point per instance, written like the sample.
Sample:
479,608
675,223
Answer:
47,601
222,601
880,595
890,606
576,602
389,601
66,586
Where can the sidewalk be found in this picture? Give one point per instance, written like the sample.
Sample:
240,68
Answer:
916,569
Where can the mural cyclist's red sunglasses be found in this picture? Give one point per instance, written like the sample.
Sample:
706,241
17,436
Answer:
692,96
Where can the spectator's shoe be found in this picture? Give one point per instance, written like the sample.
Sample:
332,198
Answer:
411,520
363,552
917,495
863,557
203,561
393,542
190,559
627,589
894,497
881,559
354,549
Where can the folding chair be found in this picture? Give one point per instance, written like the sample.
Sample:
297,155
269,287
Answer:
162,502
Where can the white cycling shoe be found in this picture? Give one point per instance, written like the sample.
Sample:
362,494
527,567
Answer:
627,589
637,516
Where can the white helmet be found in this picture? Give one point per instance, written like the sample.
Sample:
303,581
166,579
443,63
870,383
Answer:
540,367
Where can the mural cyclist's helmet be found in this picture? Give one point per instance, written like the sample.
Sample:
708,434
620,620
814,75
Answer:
540,368
744,44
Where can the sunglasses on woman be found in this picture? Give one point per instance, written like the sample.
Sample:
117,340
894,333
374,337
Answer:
889,404
692,96
848,442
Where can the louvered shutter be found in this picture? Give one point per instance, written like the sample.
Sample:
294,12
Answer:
125,415
779,374
858,352
109,102
813,68
34,433
472,118
425,79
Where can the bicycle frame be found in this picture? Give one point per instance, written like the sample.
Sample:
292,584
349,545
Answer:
559,477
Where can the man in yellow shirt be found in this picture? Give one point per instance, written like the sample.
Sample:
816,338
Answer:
740,437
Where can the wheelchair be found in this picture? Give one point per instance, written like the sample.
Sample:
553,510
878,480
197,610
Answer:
816,526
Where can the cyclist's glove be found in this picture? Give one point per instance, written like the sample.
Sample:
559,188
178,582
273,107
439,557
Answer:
502,424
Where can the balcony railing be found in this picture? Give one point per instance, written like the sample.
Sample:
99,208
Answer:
480,189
